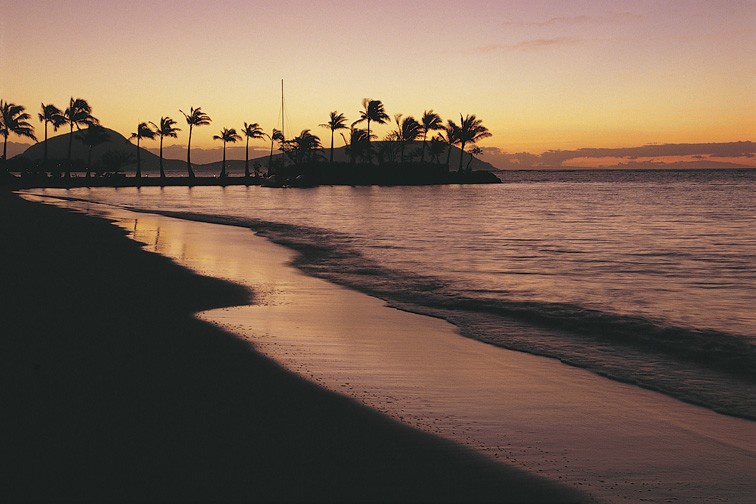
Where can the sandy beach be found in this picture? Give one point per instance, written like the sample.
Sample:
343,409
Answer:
618,442
115,392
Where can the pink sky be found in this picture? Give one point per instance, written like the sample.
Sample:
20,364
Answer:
541,75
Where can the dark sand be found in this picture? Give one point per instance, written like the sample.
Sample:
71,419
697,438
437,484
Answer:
111,390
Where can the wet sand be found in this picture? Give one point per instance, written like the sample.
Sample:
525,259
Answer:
112,390
619,442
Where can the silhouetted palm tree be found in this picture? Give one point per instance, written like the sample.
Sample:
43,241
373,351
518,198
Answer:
13,119
475,151
450,138
226,135
274,135
251,132
166,128
78,114
336,121
358,144
429,122
372,111
470,130
303,147
143,131
195,117
114,160
93,136
407,131
436,148
50,114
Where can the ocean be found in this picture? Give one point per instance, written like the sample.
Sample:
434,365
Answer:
645,277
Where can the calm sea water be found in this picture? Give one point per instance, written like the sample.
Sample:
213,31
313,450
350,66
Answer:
645,277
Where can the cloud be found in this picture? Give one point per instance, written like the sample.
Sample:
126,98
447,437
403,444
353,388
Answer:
609,19
525,45
729,149
702,154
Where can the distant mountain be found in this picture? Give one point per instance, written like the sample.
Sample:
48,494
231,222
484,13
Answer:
58,149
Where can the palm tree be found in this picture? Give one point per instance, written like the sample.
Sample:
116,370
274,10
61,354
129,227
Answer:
251,131
227,135
450,138
195,117
143,131
407,131
50,114
93,136
13,119
114,160
336,121
429,122
166,128
303,147
436,148
475,151
372,111
78,113
470,130
358,144
274,135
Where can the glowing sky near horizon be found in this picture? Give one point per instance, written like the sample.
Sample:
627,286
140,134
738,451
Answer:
541,74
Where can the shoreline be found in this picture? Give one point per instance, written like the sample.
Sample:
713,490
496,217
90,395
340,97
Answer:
311,259
661,450
120,393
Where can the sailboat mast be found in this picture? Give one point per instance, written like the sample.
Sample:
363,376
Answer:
283,114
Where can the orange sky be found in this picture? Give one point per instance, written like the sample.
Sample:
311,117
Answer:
541,75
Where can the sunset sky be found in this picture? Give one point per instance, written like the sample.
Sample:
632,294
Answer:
541,74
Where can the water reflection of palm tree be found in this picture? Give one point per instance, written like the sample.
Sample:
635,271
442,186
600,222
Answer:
429,122
227,136
336,121
372,111
143,131
78,114
93,136
251,131
14,120
50,114
470,130
195,117
166,128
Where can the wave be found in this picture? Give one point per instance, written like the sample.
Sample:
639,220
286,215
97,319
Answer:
704,366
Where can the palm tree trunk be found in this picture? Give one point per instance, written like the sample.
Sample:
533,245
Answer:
448,157
189,155
139,161
162,172
461,153
44,156
70,144
370,145
270,161
5,147
422,156
246,159
331,146
223,167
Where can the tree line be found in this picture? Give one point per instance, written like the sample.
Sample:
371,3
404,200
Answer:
437,136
